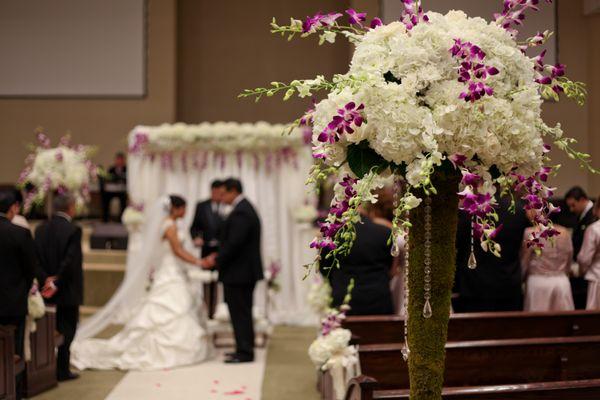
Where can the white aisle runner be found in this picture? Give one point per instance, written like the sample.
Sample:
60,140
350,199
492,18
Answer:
211,380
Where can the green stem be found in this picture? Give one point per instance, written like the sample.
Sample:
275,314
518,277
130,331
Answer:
427,337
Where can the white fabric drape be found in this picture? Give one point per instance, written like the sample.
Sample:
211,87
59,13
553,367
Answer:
274,192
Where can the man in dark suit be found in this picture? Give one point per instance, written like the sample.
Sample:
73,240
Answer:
205,229
208,220
59,245
240,267
114,186
17,270
580,205
495,284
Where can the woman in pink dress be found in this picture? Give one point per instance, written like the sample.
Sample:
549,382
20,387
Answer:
547,281
589,261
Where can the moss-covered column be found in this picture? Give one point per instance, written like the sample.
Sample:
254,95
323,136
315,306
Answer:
427,337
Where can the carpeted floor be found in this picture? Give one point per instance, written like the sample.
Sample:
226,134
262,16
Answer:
288,375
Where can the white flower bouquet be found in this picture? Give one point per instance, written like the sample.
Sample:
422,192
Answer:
64,169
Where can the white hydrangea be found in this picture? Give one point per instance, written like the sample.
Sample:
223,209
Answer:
424,114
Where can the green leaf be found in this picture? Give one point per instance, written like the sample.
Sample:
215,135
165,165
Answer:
362,159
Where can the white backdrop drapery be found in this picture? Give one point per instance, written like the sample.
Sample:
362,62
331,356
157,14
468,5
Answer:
274,190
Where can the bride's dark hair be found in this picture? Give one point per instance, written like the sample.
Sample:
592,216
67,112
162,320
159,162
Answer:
176,201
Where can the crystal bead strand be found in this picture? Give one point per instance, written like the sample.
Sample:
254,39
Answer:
405,348
427,311
472,263
395,252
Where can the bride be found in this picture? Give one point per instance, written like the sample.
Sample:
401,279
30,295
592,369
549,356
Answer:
166,327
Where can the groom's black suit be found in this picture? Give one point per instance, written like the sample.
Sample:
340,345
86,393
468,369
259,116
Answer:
59,246
240,267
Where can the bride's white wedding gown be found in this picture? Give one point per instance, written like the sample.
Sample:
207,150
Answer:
166,329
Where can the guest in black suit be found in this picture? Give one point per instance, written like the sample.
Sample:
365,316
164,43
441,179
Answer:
114,186
17,270
59,246
208,220
580,205
369,263
495,285
240,267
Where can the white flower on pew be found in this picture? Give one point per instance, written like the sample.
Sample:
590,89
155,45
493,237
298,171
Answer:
319,295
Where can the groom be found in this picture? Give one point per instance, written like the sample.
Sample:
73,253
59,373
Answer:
240,267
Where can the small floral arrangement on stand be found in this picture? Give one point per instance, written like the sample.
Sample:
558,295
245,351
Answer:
133,217
450,106
319,295
272,274
331,350
66,168
305,213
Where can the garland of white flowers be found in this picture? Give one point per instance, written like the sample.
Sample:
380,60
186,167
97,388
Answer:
198,145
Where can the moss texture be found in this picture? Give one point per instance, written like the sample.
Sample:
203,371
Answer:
427,337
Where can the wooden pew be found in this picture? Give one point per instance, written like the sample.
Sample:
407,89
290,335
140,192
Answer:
364,388
40,372
8,364
478,326
493,362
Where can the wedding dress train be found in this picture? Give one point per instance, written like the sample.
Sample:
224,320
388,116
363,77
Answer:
166,330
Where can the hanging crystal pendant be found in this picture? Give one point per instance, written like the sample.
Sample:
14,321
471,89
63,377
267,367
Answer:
405,348
472,263
427,311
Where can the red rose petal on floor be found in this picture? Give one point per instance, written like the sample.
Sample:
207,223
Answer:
234,392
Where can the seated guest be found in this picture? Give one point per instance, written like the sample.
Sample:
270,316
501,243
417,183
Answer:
115,186
369,263
382,213
17,270
548,287
580,205
589,261
495,284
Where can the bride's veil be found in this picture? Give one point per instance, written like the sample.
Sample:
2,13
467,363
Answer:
140,263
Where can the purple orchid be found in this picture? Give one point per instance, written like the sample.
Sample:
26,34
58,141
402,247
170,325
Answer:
375,22
472,71
413,14
347,117
513,13
356,18
311,24
458,160
43,140
140,140
335,220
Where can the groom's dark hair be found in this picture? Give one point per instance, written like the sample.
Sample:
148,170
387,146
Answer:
217,183
233,184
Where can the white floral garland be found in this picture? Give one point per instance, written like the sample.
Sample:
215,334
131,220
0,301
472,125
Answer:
223,137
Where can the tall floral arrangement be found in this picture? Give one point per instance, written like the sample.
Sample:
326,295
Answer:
66,168
451,107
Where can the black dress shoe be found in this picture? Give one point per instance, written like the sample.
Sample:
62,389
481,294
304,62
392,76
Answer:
237,359
67,377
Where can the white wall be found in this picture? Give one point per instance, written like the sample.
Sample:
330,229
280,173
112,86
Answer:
72,48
